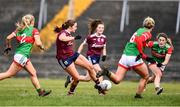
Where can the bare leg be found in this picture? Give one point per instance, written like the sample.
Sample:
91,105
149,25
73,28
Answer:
76,77
143,72
151,79
83,62
158,74
34,79
119,75
31,70
97,68
13,69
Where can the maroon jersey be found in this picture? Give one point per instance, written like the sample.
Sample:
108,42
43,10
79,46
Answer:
95,44
64,48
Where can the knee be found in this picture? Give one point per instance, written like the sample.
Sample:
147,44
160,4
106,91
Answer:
76,78
9,74
159,74
146,77
90,67
33,74
117,81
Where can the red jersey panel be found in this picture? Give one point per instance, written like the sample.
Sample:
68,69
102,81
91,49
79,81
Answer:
95,44
64,48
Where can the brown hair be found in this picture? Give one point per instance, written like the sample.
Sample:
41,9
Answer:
65,25
93,25
162,35
167,39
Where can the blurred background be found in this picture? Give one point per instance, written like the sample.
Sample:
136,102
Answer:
121,17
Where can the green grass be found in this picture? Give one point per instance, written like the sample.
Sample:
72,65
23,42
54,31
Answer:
20,92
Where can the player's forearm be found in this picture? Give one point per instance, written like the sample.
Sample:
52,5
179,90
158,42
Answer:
104,51
167,58
80,48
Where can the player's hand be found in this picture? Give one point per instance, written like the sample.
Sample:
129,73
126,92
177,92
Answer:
159,65
103,58
138,57
151,60
7,50
42,48
77,37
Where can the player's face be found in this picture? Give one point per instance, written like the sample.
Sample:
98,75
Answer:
100,29
74,27
162,41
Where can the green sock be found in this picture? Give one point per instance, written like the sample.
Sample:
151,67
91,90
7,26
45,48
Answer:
38,90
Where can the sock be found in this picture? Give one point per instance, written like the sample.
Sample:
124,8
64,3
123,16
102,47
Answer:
97,81
73,87
156,88
38,90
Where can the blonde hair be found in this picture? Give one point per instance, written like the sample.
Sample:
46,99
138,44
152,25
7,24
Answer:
148,22
26,21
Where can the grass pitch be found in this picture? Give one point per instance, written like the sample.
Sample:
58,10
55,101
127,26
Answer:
20,92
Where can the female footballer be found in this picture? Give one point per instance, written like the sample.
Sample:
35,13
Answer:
67,58
161,52
26,35
131,57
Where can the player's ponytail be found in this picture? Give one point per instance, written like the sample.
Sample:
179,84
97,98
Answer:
93,25
26,21
64,26
169,41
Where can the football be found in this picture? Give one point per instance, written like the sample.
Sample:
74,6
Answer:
106,85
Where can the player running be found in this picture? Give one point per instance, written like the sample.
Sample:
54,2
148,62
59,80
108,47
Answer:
67,58
26,35
131,57
161,52
96,42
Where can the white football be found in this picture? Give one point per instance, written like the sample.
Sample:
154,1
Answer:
106,85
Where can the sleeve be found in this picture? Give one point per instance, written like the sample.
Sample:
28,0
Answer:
140,40
170,50
146,36
35,32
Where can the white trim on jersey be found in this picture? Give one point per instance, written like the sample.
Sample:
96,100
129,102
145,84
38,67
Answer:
95,34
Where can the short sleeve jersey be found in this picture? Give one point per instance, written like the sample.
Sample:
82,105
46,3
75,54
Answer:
25,38
139,38
64,48
159,53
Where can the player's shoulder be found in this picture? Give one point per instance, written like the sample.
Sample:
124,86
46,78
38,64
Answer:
91,35
104,36
167,45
